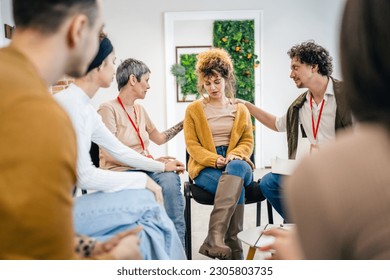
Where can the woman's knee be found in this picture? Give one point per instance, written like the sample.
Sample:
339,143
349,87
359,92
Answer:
169,180
270,182
208,179
238,168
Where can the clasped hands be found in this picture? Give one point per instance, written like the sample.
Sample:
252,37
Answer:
123,246
221,161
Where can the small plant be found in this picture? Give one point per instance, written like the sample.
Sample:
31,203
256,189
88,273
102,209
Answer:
185,75
179,72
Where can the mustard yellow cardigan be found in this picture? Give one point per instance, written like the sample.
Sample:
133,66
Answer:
199,140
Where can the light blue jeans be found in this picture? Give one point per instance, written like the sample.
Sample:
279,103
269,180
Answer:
208,178
270,185
173,199
102,215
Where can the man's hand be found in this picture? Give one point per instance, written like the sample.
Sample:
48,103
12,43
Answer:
285,246
127,249
237,100
114,241
123,246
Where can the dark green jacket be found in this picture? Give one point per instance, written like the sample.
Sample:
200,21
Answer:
343,116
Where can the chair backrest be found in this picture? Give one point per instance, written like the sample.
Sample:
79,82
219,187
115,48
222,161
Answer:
94,152
187,159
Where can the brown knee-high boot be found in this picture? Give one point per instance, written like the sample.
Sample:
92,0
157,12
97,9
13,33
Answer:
228,192
235,227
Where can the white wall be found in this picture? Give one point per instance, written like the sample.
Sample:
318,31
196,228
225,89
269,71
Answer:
137,30
1,29
201,35
5,17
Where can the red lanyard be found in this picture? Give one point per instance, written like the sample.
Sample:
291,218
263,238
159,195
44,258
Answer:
135,128
315,128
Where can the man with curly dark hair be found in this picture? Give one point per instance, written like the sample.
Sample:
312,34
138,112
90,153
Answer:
318,112
358,160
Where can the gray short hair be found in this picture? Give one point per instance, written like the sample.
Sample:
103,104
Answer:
129,67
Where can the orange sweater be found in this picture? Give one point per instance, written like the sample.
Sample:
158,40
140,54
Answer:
199,140
37,167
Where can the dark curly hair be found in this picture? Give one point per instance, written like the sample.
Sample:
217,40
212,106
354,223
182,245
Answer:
312,54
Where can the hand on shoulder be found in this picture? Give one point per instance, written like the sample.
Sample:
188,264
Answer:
238,101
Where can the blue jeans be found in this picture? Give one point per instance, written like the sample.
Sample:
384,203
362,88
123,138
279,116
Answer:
270,185
208,178
102,215
173,199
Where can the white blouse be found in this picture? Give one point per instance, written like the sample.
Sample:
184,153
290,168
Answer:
326,130
89,127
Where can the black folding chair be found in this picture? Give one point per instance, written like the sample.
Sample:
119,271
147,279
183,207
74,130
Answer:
253,194
94,152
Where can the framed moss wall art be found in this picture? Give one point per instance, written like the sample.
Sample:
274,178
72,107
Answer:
186,80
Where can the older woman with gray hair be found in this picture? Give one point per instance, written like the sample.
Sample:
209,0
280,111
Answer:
131,124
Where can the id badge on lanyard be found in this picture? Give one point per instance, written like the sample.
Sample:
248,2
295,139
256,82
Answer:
314,147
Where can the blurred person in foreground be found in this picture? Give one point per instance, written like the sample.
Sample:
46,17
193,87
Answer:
37,143
345,212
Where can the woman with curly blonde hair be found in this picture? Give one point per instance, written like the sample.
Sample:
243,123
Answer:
219,139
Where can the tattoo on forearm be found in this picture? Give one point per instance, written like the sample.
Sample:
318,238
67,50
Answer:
173,131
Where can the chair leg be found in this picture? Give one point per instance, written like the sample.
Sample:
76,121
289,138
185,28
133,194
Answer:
187,217
270,213
251,253
258,213
74,191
